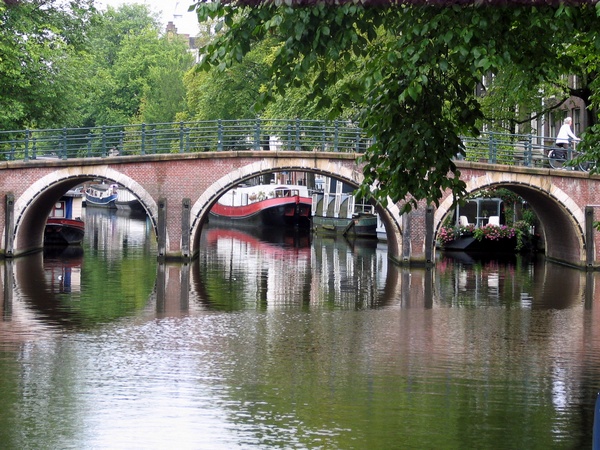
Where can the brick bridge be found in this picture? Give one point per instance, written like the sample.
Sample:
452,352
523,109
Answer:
178,190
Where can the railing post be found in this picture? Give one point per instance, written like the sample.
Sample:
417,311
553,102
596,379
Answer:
289,137
570,151
34,148
64,144
180,137
103,149
26,154
143,140
297,134
357,140
323,136
529,151
257,134
89,145
336,135
154,142
492,149
120,147
219,136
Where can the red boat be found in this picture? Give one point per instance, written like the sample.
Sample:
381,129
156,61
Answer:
64,226
264,205
64,231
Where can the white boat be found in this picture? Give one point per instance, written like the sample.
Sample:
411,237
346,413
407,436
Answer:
101,195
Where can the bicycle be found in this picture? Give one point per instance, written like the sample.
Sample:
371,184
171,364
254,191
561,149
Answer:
561,157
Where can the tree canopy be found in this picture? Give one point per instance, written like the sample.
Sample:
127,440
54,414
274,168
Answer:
36,41
419,66
135,73
67,64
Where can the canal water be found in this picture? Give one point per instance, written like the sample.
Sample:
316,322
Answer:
291,341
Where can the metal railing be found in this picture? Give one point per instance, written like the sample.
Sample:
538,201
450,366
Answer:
510,149
251,134
183,137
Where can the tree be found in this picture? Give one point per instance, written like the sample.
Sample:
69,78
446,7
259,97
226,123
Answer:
231,93
420,68
136,73
39,41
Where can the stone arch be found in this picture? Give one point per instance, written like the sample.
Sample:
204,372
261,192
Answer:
390,215
564,240
36,201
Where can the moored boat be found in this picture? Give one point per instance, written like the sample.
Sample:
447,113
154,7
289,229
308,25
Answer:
64,225
340,214
101,195
126,200
264,205
64,231
480,227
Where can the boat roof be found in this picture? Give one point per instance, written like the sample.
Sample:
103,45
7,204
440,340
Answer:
272,187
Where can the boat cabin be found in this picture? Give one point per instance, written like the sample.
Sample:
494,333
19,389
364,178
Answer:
480,212
69,206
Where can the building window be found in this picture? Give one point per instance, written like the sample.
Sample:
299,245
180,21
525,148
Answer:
577,121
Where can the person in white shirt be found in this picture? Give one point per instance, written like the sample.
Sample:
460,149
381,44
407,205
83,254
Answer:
565,135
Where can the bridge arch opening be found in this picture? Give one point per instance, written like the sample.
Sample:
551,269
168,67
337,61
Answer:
389,215
561,221
32,208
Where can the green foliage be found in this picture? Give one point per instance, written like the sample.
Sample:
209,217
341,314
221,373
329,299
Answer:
136,75
65,64
39,41
231,93
418,65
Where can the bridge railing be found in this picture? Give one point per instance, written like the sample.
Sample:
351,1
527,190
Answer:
509,149
252,134
183,137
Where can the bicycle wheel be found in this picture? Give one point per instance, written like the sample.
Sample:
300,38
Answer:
586,166
557,159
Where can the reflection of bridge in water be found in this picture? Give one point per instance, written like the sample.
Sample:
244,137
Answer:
241,271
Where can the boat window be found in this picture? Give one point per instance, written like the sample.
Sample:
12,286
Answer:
490,207
282,193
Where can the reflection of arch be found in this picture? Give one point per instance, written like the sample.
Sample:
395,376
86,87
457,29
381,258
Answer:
42,294
37,200
390,215
561,219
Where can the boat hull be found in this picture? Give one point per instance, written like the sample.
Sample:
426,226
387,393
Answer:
359,226
287,211
470,244
61,231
